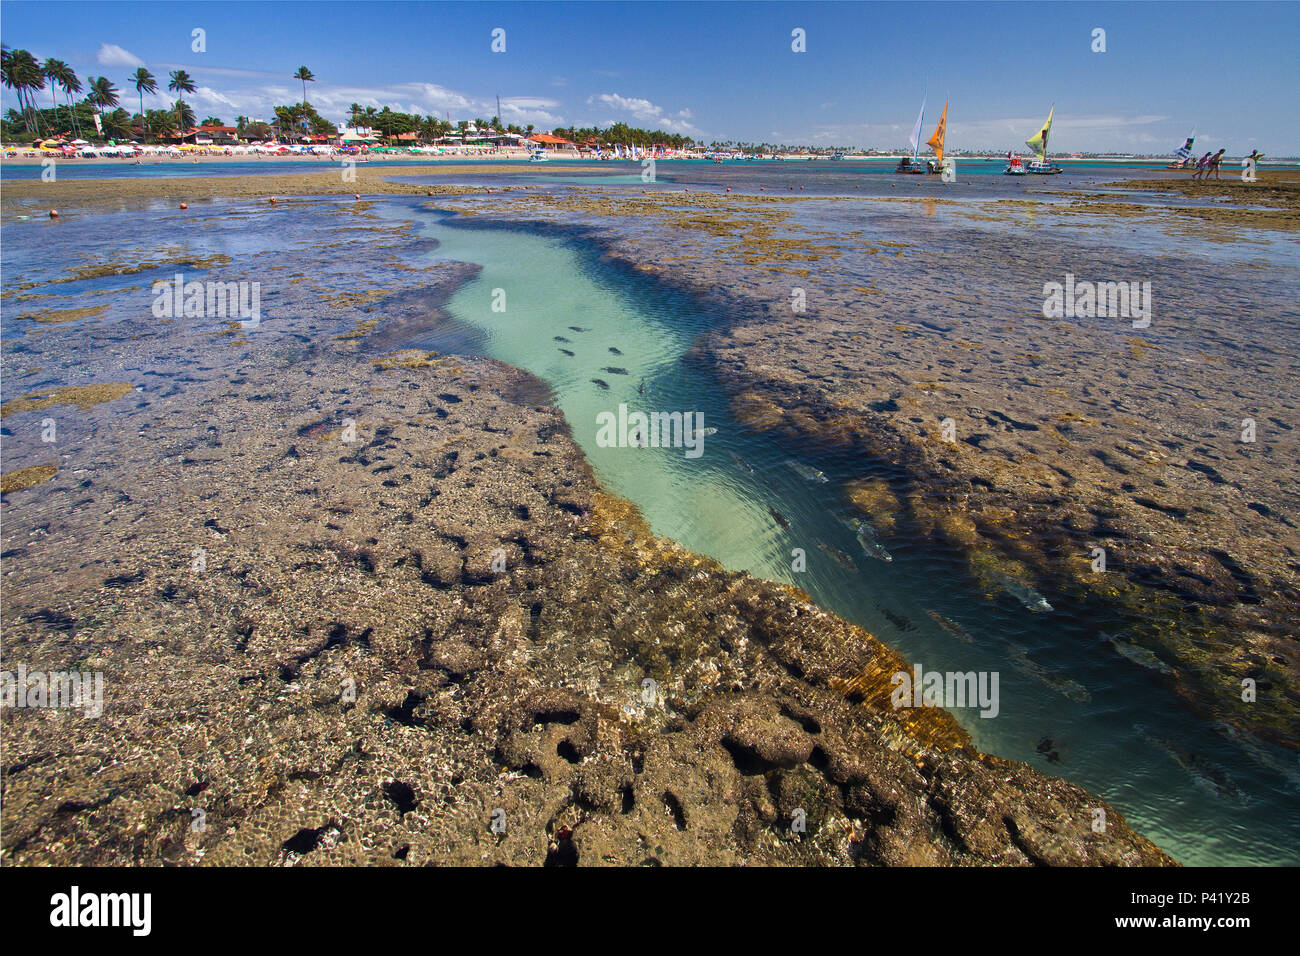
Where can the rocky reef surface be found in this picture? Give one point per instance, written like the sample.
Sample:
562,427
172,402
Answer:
1165,449
355,602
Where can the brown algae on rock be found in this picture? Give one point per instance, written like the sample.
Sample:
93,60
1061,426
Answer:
29,477
83,396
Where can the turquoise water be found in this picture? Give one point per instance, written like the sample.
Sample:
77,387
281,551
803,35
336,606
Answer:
1205,798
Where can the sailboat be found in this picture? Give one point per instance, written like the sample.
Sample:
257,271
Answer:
1183,155
935,142
1038,143
912,164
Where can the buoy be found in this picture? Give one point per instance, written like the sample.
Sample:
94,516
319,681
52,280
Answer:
272,200
356,195
54,214
184,206
728,189
489,192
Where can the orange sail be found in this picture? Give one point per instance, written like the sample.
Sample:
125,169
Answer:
936,141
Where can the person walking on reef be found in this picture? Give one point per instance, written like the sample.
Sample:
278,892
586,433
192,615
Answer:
1202,165
1215,163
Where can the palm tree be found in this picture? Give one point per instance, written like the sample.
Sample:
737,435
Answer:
102,94
70,84
22,74
353,112
212,121
144,83
184,116
117,124
306,76
51,69
181,83
158,123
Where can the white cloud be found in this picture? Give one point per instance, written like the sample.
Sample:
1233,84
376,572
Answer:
110,54
333,102
644,111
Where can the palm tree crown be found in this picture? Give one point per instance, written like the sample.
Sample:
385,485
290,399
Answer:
306,76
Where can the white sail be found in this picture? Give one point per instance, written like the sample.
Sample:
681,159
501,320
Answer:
916,130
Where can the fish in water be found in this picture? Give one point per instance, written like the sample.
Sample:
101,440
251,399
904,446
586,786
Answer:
806,472
578,328
1047,748
602,383
704,433
558,338
639,439
567,352
1065,686
742,463
898,620
1205,774
640,389
614,371
614,351
1258,751
869,542
951,626
778,517
1030,599
838,556
1137,654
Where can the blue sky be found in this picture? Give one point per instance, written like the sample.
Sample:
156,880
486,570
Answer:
725,70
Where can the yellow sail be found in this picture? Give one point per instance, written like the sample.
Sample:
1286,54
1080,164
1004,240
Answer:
936,141
1039,143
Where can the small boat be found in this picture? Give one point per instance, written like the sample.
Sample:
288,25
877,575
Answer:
912,164
1015,166
1038,143
537,156
837,156
935,142
1183,155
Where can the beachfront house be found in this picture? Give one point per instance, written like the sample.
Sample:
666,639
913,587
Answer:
554,143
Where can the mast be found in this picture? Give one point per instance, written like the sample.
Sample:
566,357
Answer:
920,121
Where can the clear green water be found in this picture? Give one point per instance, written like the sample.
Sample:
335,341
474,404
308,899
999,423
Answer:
1202,797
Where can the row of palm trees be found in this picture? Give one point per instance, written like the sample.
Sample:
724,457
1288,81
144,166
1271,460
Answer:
390,123
23,74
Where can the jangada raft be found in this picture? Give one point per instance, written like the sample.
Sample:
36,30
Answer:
913,164
1038,143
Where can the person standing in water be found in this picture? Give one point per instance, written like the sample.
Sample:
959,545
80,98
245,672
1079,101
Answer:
1202,165
1215,163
